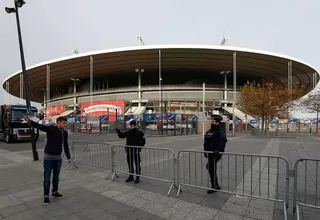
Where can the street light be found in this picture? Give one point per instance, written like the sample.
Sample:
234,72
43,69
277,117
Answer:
75,80
18,4
139,71
225,93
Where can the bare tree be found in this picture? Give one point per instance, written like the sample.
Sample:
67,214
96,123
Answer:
312,102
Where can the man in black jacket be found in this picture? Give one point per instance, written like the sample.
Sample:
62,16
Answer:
135,137
57,139
214,141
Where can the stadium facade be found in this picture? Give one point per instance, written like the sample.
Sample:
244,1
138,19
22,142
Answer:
135,80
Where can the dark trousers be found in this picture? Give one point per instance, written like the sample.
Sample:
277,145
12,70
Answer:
212,167
133,155
49,166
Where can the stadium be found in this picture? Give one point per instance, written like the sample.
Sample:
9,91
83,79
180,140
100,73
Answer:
135,80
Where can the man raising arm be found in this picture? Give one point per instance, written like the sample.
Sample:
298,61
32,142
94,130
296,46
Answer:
57,139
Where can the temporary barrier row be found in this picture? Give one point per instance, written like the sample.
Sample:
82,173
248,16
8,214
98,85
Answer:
306,184
149,162
252,175
257,176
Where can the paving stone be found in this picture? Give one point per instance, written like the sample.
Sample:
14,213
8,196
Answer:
235,209
167,201
26,215
9,203
100,189
240,200
259,214
137,203
183,206
124,198
90,212
13,210
227,216
111,193
201,212
262,204
60,213
173,213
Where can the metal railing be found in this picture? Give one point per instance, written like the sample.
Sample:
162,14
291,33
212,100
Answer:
152,163
257,176
95,154
252,175
306,185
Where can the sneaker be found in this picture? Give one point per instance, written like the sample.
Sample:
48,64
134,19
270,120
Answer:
57,195
46,201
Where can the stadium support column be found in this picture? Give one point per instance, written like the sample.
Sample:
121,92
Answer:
314,79
160,93
234,91
203,107
289,88
48,85
91,79
44,98
7,94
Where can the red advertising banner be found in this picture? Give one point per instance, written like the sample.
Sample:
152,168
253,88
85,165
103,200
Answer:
55,110
102,107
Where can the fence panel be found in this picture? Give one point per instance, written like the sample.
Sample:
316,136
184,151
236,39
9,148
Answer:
257,176
156,163
306,184
93,154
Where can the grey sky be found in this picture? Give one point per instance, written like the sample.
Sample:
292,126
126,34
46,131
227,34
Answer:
51,29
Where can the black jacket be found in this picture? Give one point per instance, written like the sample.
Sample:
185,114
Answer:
55,139
135,137
215,141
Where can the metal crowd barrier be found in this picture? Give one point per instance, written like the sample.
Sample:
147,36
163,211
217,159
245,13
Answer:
257,176
306,184
97,154
156,163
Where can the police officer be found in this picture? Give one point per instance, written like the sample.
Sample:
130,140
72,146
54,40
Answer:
215,141
135,137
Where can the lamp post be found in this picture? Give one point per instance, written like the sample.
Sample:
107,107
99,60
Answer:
139,71
225,92
75,80
18,4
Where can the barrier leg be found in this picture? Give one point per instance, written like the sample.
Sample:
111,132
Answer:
298,212
285,210
73,164
168,194
179,189
113,165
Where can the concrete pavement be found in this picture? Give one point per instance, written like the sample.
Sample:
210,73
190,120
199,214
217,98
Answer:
89,195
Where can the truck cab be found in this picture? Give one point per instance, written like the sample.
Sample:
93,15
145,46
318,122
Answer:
11,126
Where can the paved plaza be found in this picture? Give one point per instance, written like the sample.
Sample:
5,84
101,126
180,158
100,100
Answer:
88,195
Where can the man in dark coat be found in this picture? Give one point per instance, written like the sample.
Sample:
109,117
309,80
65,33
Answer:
57,141
215,141
135,137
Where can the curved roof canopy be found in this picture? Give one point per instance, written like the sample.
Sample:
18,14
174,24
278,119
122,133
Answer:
201,57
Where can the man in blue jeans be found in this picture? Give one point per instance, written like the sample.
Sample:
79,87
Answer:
57,139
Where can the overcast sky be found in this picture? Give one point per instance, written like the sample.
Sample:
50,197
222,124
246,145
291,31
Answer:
51,29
